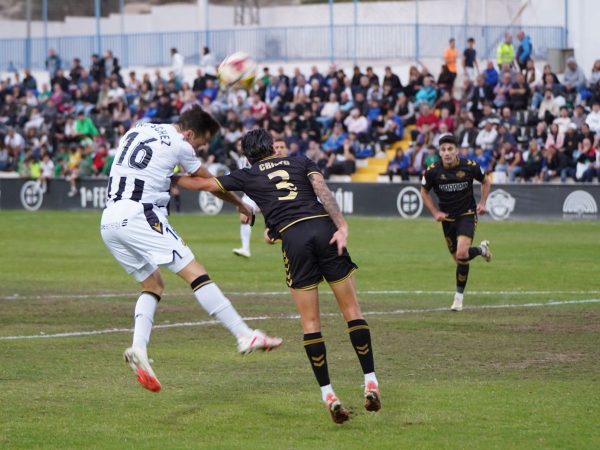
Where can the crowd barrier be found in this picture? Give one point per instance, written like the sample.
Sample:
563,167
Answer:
302,43
506,201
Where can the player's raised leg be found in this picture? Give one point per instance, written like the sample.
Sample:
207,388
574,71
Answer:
307,303
360,336
210,297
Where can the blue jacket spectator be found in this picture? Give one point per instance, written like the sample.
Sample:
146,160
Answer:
524,50
335,140
427,93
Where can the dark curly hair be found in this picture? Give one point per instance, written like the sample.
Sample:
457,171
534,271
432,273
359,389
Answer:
257,144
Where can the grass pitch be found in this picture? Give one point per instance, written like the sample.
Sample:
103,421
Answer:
518,368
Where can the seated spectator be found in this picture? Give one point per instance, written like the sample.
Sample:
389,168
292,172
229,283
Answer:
486,139
502,91
578,117
398,165
555,137
588,162
447,101
427,94
573,78
549,107
335,140
468,136
483,158
519,93
563,120
405,110
431,157
532,166
356,122
447,120
84,127
593,118
328,111
341,162
554,164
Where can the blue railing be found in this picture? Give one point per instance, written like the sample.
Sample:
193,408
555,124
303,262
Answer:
340,42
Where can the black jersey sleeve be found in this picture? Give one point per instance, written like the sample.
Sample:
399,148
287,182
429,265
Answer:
234,181
311,166
477,171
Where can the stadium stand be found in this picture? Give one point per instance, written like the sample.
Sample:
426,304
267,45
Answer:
519,125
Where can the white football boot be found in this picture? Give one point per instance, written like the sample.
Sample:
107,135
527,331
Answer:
485,250
257,341
140,365
457,305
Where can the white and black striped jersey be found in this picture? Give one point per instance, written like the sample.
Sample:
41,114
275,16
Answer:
144,164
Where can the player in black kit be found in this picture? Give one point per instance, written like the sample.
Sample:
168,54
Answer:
313,235
452,181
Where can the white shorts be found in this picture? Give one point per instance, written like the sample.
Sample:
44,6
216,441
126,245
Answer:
251,204
141,239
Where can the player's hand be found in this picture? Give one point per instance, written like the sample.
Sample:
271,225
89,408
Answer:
440,216
267,238
340,239
245,214
481,209
175,180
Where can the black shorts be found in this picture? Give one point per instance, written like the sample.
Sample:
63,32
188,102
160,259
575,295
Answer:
459,226
309,258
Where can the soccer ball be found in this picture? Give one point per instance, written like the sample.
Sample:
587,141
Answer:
237,70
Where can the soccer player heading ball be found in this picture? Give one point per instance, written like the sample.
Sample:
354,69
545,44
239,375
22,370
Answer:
451,179
135,229
287,190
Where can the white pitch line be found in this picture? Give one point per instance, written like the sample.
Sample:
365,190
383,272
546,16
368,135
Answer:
295,317
275,293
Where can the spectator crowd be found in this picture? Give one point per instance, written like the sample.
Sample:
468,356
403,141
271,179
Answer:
518,123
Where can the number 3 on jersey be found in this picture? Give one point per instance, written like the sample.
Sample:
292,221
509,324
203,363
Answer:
284,184
141,154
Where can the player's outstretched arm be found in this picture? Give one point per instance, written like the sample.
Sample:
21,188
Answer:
436,213
340,237
199,183
486,185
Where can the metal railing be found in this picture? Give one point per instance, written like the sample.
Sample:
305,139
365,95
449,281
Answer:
317,43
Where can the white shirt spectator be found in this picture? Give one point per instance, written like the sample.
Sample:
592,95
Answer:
47,168
593,120
329,109
14,140
177,62
208,63
486,138
356,123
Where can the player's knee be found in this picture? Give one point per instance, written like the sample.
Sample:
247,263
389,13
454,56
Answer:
462,261
154,284
311,323
462,255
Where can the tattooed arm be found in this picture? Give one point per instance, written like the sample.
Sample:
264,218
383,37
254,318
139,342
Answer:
340,237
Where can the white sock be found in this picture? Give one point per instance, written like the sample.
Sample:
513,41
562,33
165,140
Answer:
144,318
216,304
325,391
459,295
245,234
370,377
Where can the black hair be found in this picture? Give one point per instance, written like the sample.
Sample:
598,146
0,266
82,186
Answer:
199,121
448,139
257,144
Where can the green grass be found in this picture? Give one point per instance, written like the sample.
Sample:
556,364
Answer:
498,375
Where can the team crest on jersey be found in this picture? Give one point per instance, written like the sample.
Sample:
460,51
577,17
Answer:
443,176
460,174
158,227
